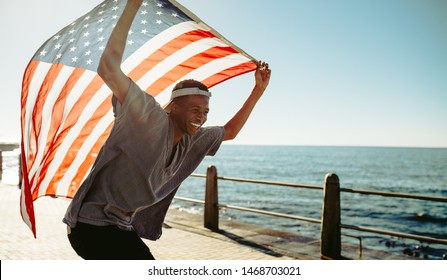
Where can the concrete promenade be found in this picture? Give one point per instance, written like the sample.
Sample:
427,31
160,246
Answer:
179,241
184,237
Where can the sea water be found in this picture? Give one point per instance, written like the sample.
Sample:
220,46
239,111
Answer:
419,171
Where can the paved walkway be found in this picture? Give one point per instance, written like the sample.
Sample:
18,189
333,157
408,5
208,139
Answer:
179,241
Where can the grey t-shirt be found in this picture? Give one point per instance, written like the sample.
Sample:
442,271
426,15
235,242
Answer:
131,183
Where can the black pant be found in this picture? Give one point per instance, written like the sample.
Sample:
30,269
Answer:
107,243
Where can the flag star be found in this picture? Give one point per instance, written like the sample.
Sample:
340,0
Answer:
87,18
144,12
130,32
72,49
101,48
130,42
100,20
115,17
143,21
59,55
58,46
100,39
174,14
86,44
159,21
115,8
100,30
86,34
56,37
144,4
43,53
89,61
72,31
144,31
101,12
74,59
72,40
89,52
159,13
160,5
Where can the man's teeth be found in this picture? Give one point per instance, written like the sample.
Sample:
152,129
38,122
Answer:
195,125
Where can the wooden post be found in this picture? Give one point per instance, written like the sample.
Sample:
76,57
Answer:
330,220
211,220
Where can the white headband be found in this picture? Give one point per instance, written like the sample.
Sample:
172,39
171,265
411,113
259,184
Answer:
189,91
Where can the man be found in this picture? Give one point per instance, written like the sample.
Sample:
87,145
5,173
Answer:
149,152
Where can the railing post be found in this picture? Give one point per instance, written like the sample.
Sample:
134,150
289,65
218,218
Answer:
330,220
211,200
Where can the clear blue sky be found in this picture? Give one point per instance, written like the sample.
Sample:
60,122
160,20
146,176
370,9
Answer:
347,72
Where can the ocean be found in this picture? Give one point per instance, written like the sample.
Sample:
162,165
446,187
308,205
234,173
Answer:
420,171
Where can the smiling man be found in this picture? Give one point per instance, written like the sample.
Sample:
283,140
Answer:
149,152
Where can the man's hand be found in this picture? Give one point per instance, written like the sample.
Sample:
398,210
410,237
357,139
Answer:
262,75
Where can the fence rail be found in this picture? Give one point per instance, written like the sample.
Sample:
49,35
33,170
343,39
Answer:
330,221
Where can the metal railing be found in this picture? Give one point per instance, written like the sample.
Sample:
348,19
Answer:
330,245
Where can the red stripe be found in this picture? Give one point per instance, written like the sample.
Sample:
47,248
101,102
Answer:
229,73
36,117
87,163
188,66
167,50
71,120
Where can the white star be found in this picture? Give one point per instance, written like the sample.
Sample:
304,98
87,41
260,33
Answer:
74,59
59,55
86,44
100,20
89,61
144,4
144,12
100,12
160,5
101,48
115,8
159,21
174,14
72,40
143,21
100,39
43,53
72,49
130,32
86,25
130,42
87,53
100,30
144,31
159,13
58,46
86,34
115,17
56,37
72,31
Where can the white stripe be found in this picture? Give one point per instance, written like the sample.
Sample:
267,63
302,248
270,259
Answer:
176,58
46,113
205,71
156,43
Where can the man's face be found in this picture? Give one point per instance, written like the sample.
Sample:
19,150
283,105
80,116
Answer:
190,113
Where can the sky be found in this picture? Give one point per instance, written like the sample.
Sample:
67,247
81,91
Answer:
344,73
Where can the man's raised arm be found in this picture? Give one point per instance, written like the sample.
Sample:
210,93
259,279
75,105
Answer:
262,76
109,68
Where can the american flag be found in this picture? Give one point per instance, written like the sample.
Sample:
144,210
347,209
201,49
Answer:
66,108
